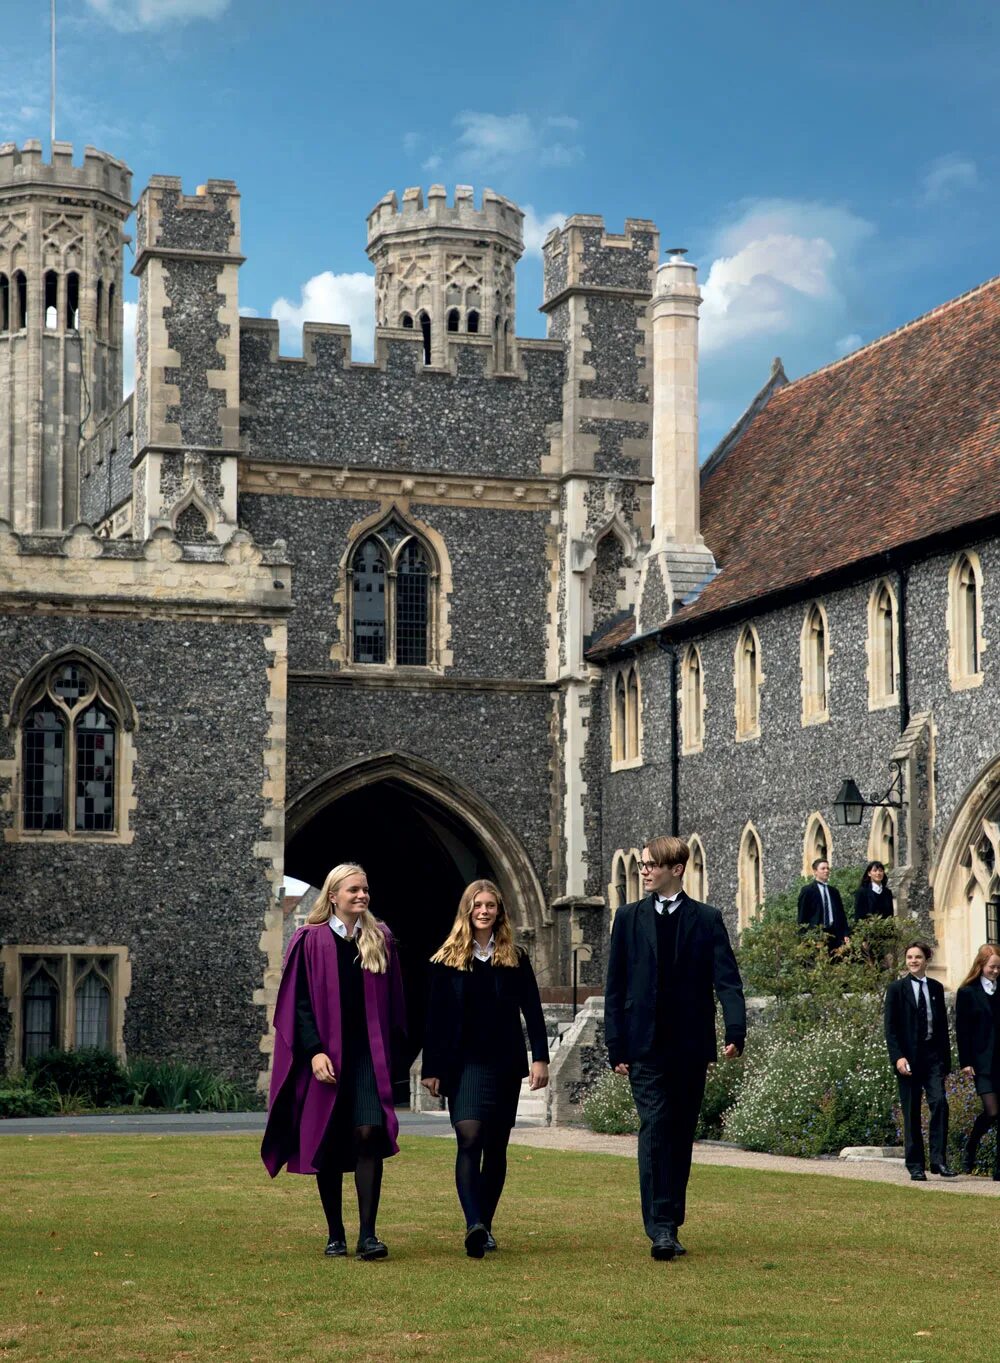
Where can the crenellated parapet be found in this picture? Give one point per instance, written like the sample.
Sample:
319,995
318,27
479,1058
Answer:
447,269
100,172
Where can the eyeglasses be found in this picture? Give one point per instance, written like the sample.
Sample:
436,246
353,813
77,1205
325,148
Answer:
649,865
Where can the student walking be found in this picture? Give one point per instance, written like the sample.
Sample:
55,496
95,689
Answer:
481,985
338,1014
977,1032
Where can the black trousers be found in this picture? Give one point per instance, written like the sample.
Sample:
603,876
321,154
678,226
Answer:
928,1077
668,1098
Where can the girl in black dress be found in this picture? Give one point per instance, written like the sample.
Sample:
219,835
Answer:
873,898
977,1024
474,1052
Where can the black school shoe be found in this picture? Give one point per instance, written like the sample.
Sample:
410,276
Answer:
371,1248
491,1244
336,1249
475,1240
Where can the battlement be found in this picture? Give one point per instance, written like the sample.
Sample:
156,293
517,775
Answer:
21,167
497,214
582,254
205,222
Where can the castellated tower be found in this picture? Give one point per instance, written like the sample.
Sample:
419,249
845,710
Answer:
60,322
443,267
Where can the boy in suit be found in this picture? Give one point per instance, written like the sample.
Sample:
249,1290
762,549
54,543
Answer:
820,906
916,1033
669,958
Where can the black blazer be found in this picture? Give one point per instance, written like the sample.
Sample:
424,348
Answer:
811,911
705,963
901,1022
517,992
977,1018
868,904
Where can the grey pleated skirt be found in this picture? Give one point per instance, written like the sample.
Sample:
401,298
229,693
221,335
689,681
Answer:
485,1093
358,1104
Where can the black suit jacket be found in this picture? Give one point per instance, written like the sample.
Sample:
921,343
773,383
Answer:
811,911
901,1023
868,904
517,992
705,962
977,1017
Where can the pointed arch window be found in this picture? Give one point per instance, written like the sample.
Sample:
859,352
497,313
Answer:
618,886
748,679
965,622
696,876
40,1007
425,331
406,322
883,647
92,1005
817,842
99,309
815,666
472,326
453,319
393,580
20,300
626,718
750,877
72,301
4,303
633,877
66,997
51,307
882,840
692,701
70,731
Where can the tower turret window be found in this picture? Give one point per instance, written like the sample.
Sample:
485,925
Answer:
4,303
72,301
473,323
406,322
425,331
20,301
111,313
99,317
51,300
453,319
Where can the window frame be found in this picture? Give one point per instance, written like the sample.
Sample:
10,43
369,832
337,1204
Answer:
814,657
69,966
810,847
626,718
959,640
747,913
393,555
692,701
881,696
696,848
747,690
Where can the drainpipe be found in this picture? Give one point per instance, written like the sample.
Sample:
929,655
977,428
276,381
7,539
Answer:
902,580
675,749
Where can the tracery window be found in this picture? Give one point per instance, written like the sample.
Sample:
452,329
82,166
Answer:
70,733
67,998
626,716
393,579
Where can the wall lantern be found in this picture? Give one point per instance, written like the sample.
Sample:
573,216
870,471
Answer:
849,804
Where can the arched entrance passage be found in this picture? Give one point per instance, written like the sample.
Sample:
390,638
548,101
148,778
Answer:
966,875
421,837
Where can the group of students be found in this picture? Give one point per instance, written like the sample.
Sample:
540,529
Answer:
339,1019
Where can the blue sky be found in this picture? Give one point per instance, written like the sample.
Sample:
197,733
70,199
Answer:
832,168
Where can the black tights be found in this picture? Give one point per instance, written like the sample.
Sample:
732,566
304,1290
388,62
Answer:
480,1169
367,1181
982,1124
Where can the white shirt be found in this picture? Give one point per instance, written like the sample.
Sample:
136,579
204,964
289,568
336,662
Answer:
918,985
483,953
669,904
989,985
876,889
338,926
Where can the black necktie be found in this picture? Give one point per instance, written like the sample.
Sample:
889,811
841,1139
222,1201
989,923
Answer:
921,1010
824,894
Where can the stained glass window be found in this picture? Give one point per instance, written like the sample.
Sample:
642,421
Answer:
44,768
391,583
95,771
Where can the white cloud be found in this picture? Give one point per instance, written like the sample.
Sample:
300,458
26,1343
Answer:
536,228
128,347
432,163
328,297
947,176
490,140
129,15
845,344
780,271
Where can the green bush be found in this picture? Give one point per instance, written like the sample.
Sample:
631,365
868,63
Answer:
93,1077
722,1087
19,1098
180,1087
811,1092
609,1106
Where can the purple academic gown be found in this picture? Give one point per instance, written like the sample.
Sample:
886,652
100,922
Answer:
300,1107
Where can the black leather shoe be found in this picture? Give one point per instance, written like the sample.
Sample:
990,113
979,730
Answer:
918,1176
335,1249
943,1171
664,1246
968,1163
491,1244
475,1240
371,1247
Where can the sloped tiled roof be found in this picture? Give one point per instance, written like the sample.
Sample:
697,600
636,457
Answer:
893,444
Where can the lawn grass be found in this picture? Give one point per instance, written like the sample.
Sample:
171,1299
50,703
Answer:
127,1249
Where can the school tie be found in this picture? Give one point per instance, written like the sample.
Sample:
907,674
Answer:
922,1021
824,894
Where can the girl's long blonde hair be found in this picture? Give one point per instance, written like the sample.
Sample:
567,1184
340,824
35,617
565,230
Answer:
456,949
984,953
370,937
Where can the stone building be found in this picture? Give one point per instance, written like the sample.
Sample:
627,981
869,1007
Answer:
466,609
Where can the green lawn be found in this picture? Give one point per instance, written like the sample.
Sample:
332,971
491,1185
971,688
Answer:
118,1249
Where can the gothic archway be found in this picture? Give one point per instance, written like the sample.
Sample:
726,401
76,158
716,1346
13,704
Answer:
421,837
965,877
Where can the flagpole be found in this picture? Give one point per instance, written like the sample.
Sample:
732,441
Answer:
52,97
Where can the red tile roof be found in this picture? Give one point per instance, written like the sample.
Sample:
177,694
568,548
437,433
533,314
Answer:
890,445
893,444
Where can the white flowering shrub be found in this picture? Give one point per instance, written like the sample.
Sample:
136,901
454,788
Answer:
813,1092
609,1107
